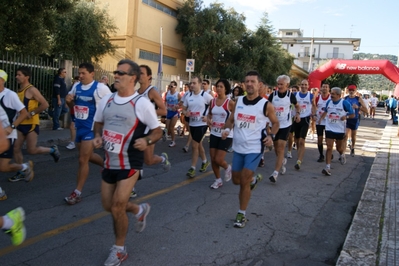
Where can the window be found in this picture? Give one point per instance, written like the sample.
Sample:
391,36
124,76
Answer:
289,33
305,65
160,7
335,52
155,58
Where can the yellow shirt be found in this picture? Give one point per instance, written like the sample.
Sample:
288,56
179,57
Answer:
30,105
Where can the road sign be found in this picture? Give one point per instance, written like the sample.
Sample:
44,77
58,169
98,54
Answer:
190,65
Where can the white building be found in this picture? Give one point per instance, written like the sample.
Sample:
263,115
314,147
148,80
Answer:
308,56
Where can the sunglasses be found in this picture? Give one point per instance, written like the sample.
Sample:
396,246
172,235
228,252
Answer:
121,73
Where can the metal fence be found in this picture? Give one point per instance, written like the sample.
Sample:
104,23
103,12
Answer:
43,71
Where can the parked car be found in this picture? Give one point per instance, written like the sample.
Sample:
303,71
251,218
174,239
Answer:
381,104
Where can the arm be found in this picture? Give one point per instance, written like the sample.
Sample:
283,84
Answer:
363,107
229,123
154,95
98,131
56,89
43,104
4,144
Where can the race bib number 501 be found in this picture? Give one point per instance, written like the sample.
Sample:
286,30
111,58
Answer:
245,121
112,141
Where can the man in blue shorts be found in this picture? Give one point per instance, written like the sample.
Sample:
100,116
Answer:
249,119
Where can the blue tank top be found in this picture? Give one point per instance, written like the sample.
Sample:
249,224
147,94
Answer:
85,106
352,101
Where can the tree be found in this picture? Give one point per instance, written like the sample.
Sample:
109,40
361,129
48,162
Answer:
84,32
26,25
342,80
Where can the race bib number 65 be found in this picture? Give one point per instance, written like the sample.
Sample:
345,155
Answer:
112,141
245,121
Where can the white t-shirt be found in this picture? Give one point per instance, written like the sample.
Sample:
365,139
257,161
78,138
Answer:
197,107
99,93
373,101
10,100
145,111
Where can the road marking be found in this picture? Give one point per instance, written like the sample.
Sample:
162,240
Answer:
70,226
371,146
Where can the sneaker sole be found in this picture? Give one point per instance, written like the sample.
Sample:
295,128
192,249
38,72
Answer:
145,217
325,172
31,173
72,203
272,179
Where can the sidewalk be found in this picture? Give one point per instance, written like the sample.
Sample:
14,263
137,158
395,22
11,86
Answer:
373,238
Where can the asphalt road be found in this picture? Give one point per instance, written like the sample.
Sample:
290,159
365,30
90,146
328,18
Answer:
301,220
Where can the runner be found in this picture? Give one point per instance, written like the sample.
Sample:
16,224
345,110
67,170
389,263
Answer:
249,121
352,124
290,142
321,101
219,111
28,129
195,107
12,113
149,91
120,124
84,98
336,112
282,100
186,119
172,99
373,105
306,103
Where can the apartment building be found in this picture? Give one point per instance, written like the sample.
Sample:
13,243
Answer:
309,55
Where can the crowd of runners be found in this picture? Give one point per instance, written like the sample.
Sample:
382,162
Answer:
246,119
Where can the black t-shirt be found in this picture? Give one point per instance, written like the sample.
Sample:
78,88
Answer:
59,87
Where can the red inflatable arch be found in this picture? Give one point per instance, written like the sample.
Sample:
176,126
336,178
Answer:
383,67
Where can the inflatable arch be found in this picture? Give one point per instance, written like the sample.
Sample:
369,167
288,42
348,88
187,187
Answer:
383,67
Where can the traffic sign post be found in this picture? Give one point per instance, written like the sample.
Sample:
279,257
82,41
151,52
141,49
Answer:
190,65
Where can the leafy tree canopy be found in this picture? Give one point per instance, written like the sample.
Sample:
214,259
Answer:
343,80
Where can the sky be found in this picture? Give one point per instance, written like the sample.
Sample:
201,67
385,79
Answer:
375,22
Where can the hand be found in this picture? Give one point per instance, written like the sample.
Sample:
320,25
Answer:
97,142
268,141
69,98
343,118
59,103
140,144
209,122
297,118
8,130
204,119
225,133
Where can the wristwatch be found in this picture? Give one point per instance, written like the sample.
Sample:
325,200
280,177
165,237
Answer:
32,113
272,136
149,141
12,126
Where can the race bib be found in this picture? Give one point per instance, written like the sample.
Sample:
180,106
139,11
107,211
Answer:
303,108
195,117
170,107
245,121
112,141
217,127
279,110
81,112
333,118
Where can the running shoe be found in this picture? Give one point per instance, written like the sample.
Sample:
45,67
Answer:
73,199
185,149
172,144
227,173
56,154
353,152
261,163
71,145
133,194
217,184
116,256
273,177
191,172
19,176
258,178
141,220
204,166
166,164
321,159
283,168
17,231
298,165
294,146
326,171
289,155
240,220
29,174
342,159
3,195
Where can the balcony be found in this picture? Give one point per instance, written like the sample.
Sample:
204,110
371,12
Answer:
335,56
305,55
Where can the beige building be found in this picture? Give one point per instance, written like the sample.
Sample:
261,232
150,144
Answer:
138,36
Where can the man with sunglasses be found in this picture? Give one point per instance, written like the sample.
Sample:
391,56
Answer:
121,123
172,99
352,124
84,98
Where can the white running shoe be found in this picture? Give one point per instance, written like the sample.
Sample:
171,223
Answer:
217,184
289,155
71,145
283,168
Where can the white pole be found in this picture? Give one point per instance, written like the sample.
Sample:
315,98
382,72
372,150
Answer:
311,52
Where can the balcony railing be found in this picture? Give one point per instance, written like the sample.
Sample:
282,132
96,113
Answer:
335,56
305,54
